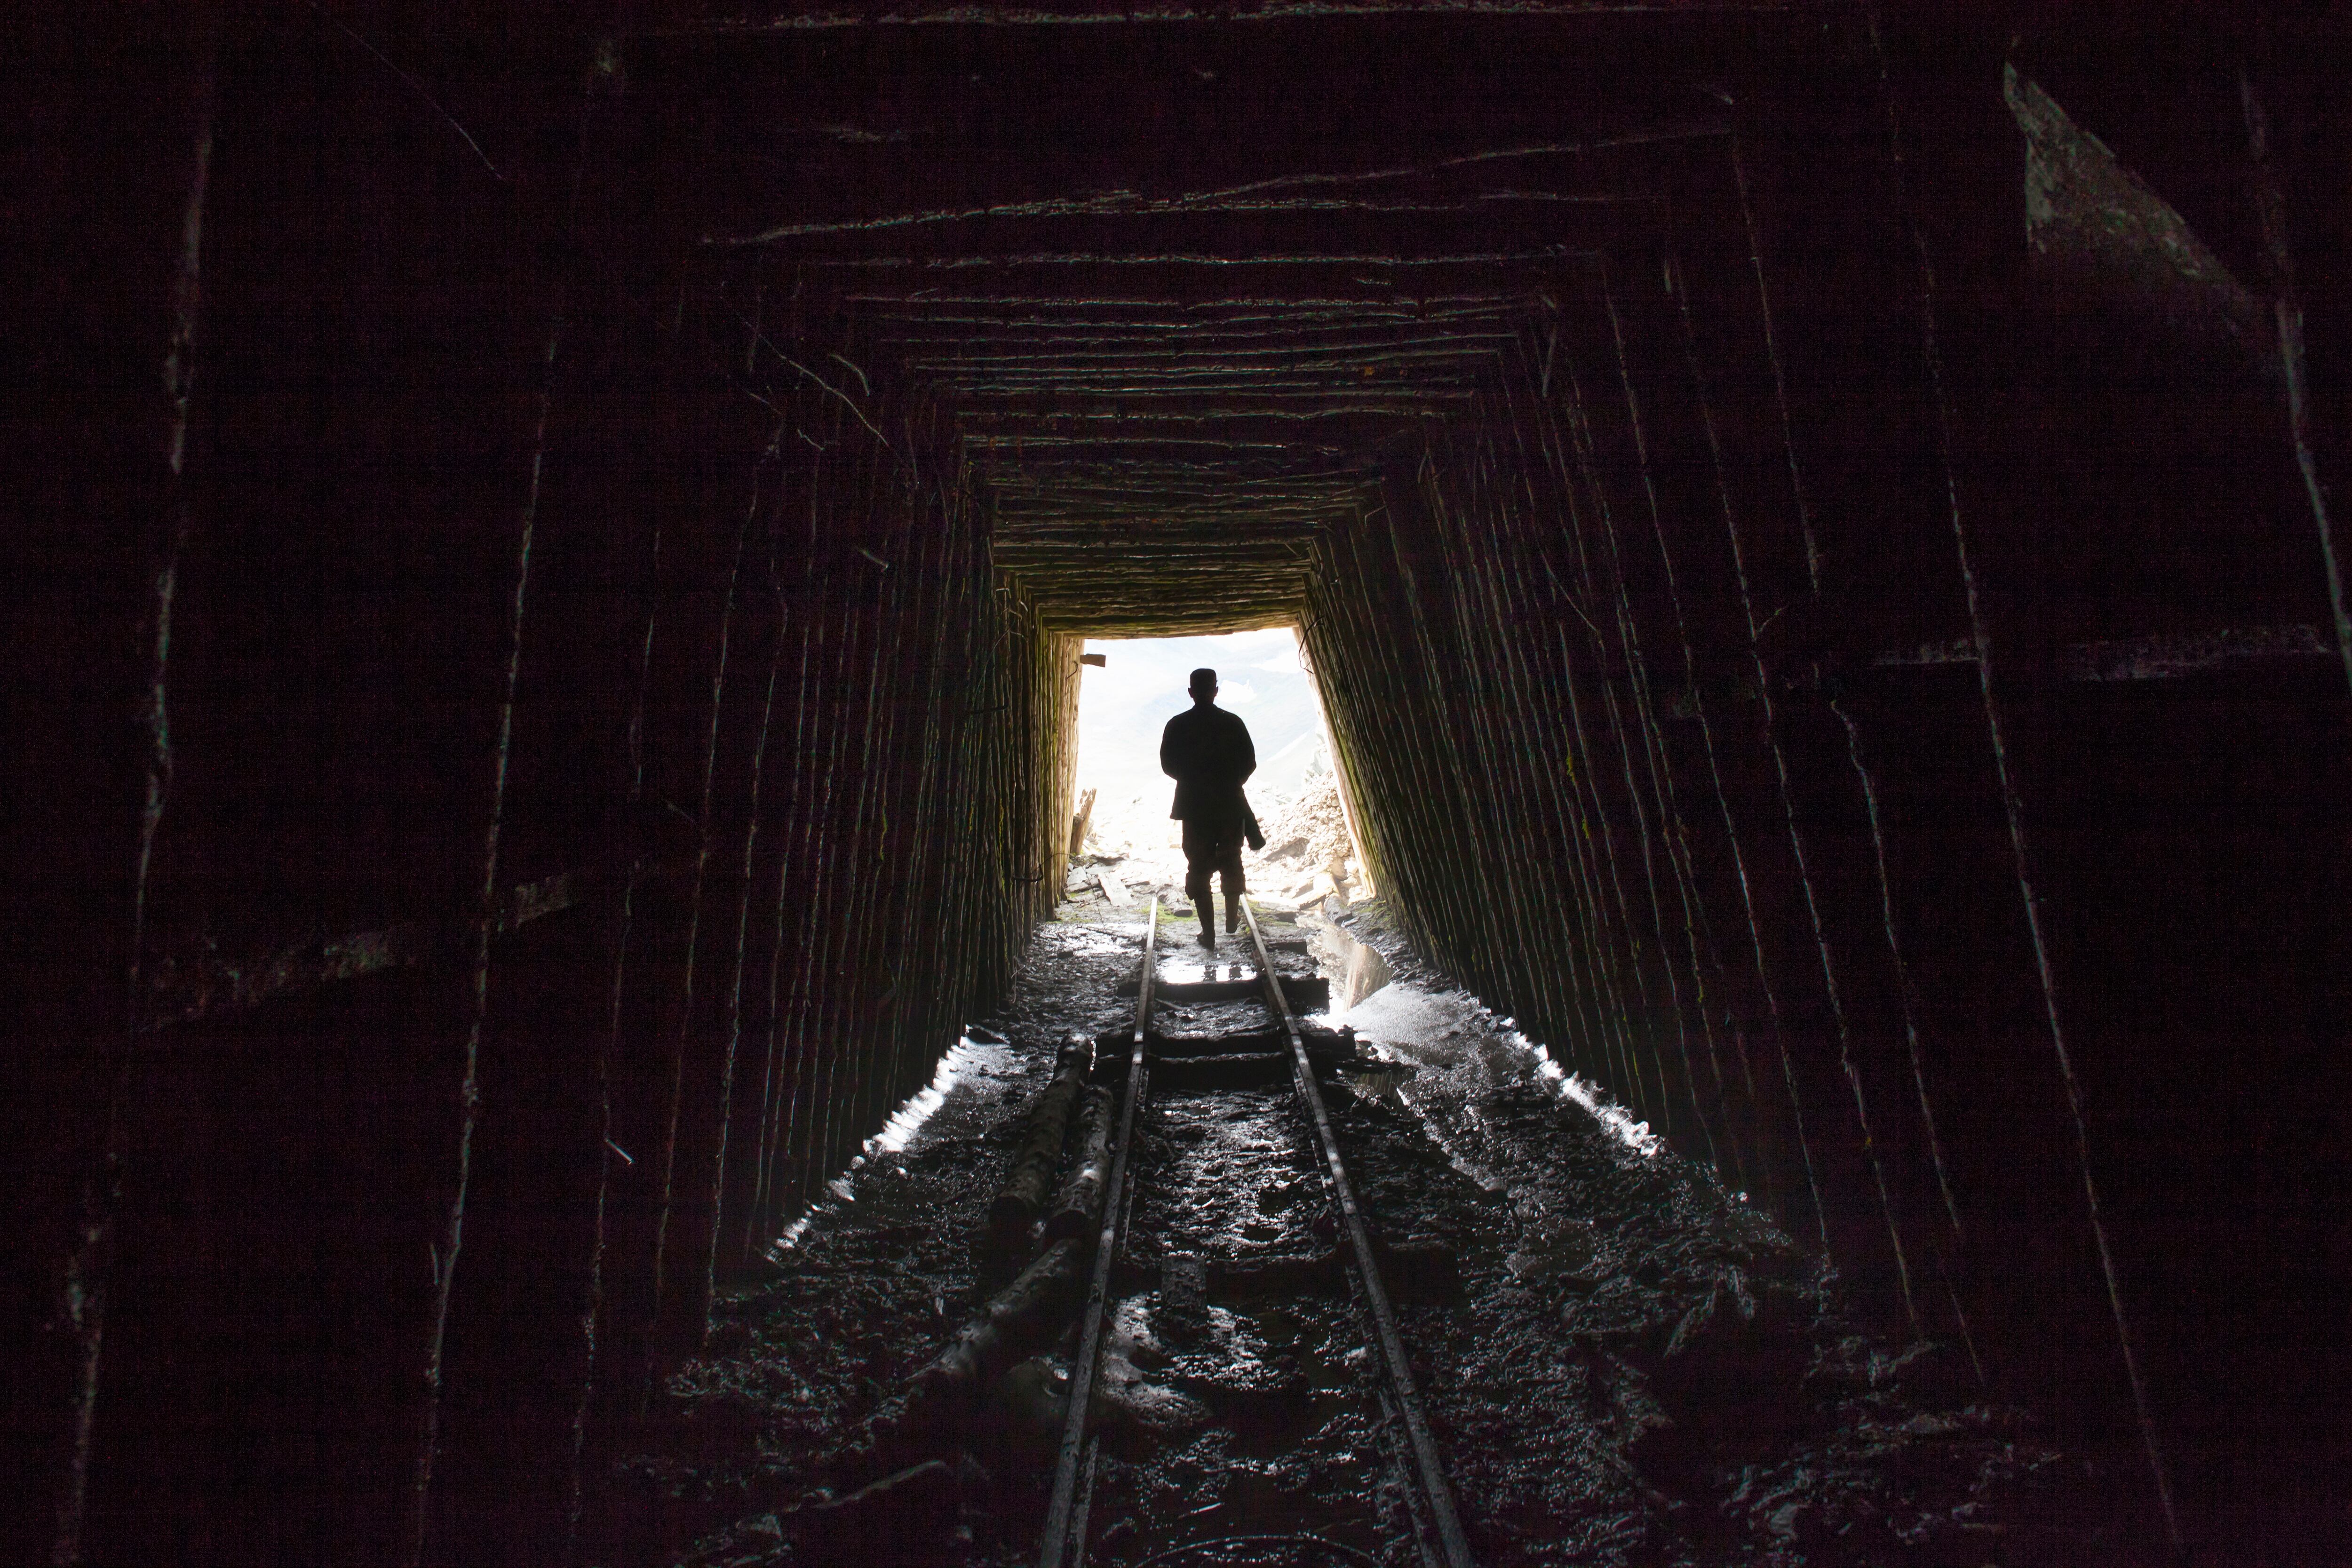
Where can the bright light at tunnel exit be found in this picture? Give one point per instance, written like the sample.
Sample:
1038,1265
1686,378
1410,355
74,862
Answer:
1123,705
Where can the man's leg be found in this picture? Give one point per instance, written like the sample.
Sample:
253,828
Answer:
1200,863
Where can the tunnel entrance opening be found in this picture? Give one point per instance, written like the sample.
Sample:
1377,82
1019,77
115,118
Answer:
1122,824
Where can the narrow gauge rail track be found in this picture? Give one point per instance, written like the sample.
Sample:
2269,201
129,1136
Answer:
1436,1526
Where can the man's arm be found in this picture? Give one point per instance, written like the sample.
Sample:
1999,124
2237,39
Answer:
1244,752
1170,761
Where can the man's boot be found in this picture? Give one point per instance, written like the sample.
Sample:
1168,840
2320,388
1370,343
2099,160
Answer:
1205,908
1233,913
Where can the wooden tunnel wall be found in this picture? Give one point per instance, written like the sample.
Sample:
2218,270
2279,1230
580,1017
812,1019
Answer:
604,772
536,729
1798,691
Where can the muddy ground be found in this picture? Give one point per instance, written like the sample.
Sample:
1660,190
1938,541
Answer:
1636,1366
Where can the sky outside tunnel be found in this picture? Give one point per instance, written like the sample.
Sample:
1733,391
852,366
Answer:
1123,706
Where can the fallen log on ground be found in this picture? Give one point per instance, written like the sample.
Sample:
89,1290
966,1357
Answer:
1077,1207
1018,1321
1031,1178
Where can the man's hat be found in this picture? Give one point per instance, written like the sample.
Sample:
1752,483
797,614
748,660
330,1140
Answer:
1203,678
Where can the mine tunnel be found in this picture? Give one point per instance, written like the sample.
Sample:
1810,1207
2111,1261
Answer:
551,555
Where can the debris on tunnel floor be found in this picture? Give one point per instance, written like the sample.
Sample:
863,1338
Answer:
1624,1361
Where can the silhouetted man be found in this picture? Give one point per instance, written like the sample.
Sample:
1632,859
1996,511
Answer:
1207,751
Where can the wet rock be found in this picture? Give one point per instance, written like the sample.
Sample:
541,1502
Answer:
1635,1416
1855,1366
1135,1415
709,1427
1751,1240
1618,1308
1032,1402
1562,1247
1737,1344
1726,1387
1184,1313
1327,1045
1022,1319
1797,1524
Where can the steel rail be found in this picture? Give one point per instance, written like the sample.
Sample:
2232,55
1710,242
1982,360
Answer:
1064,1545
1453,1546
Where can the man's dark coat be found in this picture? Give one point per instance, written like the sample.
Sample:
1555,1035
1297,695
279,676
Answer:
1207,751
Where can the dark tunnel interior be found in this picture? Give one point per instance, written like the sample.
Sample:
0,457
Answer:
550,554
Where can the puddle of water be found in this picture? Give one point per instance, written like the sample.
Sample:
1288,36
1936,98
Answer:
1400,1015
1355,969
1190,971
1460,1046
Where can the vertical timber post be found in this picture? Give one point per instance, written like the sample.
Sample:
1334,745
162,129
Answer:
2270,203
83,1284
1946,418
475,1003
